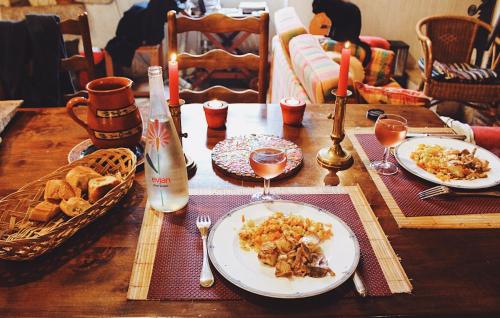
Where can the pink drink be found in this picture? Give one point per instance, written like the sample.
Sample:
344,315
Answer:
390,132
268,162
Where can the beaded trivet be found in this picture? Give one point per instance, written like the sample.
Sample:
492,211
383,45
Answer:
231,156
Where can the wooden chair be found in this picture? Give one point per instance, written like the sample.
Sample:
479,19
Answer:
219,59
77,63
155,53
450,39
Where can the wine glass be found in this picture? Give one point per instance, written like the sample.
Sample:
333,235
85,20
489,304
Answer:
267,163
390,131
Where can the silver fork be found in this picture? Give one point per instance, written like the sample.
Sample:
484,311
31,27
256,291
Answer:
206,276
441,190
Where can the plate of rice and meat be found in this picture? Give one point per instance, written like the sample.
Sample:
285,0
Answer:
449,162
283,249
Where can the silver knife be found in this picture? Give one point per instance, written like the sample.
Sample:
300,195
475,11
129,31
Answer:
444,135
358,283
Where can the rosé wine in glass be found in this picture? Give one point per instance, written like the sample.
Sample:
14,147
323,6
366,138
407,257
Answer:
267,163
390,131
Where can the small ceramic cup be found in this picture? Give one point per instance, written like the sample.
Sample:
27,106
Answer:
215,113
292,110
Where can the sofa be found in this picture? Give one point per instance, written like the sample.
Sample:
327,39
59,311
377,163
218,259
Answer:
306,66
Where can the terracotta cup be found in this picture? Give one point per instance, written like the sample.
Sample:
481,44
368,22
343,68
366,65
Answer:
215,113
113,119
292,110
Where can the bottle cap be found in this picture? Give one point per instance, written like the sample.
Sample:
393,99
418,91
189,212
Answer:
374,113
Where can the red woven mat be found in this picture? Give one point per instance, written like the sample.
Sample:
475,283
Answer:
404,188
178,256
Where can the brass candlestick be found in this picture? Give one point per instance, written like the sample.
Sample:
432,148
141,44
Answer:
334,157
175,111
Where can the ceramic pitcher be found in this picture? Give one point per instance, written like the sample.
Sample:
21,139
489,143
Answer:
113,119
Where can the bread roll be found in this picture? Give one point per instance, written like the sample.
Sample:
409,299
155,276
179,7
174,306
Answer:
58,190
98,187
44,211
74,206
79,177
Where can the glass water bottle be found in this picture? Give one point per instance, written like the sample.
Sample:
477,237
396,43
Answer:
165,165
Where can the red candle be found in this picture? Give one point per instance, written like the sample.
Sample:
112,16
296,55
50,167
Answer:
344,70
173,77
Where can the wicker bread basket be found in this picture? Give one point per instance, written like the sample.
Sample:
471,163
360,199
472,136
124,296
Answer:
21,239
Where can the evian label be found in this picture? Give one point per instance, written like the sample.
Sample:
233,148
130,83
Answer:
160,182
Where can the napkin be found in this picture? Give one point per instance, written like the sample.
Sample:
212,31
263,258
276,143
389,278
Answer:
460,128
7,111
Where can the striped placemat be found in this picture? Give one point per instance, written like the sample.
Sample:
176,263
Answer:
168,257
400,193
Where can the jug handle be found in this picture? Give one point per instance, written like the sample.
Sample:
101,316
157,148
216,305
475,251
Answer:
75,102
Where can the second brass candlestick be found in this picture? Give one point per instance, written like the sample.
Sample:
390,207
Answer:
175,111
334,157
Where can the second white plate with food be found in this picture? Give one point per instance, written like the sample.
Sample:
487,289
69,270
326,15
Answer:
338,252
455,160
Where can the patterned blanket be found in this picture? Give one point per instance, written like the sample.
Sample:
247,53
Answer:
460,72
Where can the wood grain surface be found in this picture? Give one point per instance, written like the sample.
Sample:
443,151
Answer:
454,272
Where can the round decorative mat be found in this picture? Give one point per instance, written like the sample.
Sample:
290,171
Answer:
230,156
86,147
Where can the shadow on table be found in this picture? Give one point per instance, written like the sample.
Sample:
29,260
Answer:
214,136
77,248
346,290
249,181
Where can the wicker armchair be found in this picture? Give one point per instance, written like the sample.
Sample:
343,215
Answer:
451,39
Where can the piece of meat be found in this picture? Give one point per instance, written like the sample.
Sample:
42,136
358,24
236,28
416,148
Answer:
283,268
319,267
268,253
299,267
283,245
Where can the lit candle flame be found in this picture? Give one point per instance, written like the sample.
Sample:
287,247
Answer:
173,57
215,103
347,44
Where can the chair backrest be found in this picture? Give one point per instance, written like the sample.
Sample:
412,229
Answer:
452,37
218,59
78,63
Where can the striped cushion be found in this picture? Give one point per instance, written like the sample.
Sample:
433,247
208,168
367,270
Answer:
330,45
375,41
379,70
284,82
317,73
460,72
391,95
421,65
288,26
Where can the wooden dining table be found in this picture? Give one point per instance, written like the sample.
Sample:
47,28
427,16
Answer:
453,272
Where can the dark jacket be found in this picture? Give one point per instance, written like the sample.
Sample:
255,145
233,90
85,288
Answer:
30,61
142,24
14,39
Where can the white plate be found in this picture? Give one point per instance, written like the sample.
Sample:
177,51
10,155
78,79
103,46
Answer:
404,151
243,269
